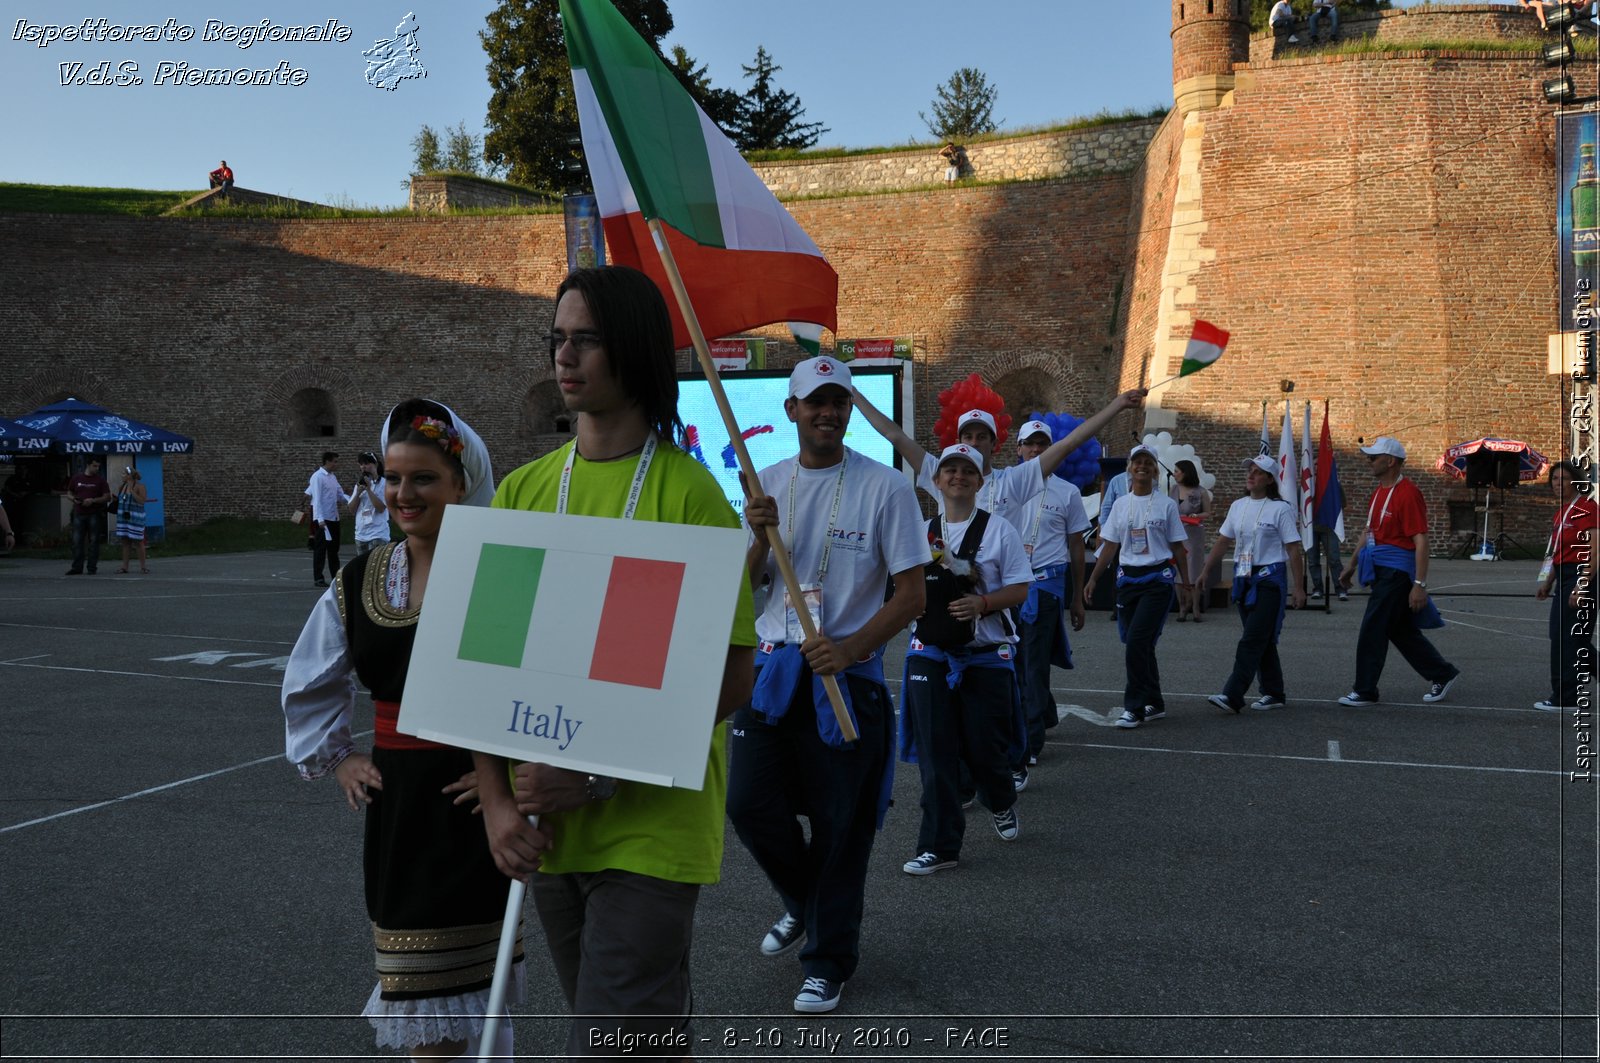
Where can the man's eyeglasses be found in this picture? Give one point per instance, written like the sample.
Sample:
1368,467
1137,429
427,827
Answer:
582,342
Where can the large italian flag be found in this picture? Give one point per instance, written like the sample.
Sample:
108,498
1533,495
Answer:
653,154
536,609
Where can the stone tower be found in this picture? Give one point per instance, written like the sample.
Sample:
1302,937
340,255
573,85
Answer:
1208,37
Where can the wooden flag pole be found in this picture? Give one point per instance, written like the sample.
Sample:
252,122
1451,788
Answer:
502,965
779,552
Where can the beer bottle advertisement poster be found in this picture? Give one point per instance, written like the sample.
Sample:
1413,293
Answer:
1576,220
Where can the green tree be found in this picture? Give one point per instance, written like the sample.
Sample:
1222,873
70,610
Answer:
963,106
720,105
463,151
533,119
426,145
770,118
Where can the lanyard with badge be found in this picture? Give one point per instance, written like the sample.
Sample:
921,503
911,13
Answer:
645,457
1372,529
1549,566
1244,556
810,593
1139,535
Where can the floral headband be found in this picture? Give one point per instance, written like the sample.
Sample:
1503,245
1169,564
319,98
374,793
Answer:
440,432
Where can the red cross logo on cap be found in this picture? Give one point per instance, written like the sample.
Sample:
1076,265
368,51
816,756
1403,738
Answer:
824,367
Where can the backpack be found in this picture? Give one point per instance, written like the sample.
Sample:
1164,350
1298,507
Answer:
936,627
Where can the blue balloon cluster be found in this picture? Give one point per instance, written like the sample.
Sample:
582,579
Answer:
1081,465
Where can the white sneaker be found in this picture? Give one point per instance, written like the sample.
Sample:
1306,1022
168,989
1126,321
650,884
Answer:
1547,706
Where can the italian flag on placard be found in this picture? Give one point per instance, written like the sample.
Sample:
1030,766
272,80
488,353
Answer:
535,609
1205,346
653,154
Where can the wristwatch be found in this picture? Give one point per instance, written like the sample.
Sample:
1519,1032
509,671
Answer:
600,788
1421,583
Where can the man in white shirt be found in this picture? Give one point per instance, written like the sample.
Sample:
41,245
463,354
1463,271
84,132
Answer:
1052,526
1281,20
366,499
324,496
851,526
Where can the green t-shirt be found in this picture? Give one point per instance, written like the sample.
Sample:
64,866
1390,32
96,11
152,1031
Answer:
664,832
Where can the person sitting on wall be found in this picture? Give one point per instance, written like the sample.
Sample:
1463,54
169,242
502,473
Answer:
955,157
1281,20
222,177
1580,9
1320,8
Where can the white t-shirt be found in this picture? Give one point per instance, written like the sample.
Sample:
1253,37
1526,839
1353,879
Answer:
879,531
1000,563
1046,521
1264,526
326,494
371,524
1004,491
1156,516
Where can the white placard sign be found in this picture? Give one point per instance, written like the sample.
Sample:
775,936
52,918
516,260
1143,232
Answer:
587,643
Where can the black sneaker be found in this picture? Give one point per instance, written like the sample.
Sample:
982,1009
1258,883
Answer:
784,936
1221,701
818,995
74,571
1152,712
1019,780
1268,701
926,864
1007,824
320,583
1437,691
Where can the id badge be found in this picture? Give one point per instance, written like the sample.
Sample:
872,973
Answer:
1138,541
1546,569
811,593
1244,556
1027,548
1371,540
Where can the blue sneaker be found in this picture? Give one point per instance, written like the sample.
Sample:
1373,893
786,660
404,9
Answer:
786,934
1007,825
1268,701
818,995
926,864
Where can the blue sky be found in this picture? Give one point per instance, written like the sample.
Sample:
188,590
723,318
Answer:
864,68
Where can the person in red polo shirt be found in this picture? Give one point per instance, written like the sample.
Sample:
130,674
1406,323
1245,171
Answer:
1567,579
1393,561
222,176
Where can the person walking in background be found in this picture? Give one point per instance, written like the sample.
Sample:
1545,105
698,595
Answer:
325,496
1144,537
89,493
1567,580
433,893
1268,571
1052,527
1194,503
960,691
852,527
1393,561
131,499
366,500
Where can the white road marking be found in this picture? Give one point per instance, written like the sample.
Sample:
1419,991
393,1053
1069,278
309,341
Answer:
1315,760
142,675
208,656
151,790
1497,631
1497,616
1333,750
142,634
19,660
1082,713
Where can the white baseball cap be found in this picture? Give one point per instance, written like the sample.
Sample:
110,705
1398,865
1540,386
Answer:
984,417
1033,428
962,452
1142,449
1385,445
813,373
1264,463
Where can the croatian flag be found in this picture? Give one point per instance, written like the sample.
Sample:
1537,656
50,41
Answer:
537,609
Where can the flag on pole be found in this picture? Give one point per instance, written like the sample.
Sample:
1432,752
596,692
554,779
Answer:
1308,485
1206,343
534,608
654,155
1288,476
1330,496
1266,440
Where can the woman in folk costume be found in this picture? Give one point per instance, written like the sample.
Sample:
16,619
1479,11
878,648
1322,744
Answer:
433,893
1268,575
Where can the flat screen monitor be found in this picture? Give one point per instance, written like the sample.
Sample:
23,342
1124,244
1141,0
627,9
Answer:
757,401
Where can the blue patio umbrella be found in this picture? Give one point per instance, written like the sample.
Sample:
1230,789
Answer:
75,427
20,439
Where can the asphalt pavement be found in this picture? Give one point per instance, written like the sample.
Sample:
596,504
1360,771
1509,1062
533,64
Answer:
1401,880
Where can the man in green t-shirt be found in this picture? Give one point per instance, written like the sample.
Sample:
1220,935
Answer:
615,868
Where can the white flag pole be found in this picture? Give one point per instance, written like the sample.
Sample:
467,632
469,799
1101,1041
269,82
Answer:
502,964
780,553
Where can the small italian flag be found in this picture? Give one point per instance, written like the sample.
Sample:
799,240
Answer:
1206,344
654,155
537,610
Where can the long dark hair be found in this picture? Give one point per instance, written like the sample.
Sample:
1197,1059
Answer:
1187,475
400,431
632,318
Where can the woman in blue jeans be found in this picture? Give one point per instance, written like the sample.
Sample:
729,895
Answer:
1144,536
1268,572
